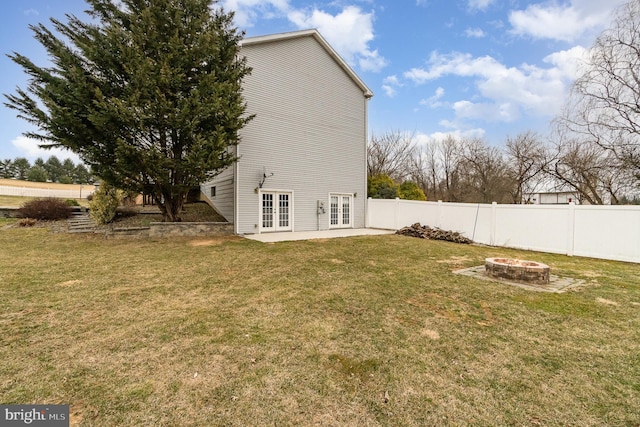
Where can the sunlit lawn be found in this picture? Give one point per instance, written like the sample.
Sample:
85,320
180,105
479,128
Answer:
17,201
353,331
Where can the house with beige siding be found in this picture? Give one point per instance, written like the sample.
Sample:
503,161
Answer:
302,159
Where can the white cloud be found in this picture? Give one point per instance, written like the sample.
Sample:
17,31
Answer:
349,32
568,62
480,4
390,85
434,101
504,93
422,139
248,11
31,12
30,149
456,63
566,22
489,111
475,33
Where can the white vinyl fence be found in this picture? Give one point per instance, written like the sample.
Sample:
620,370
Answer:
80,193
607,232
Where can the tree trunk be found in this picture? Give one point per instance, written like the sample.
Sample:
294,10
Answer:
173,208
170,205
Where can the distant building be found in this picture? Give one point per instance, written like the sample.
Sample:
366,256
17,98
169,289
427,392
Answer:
553,198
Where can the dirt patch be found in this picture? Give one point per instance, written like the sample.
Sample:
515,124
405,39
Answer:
320,240
591,274
208,242
78,411
430,333
455,260
70,283
607,302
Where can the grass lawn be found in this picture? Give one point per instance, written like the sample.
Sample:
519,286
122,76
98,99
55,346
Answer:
17,201
353,331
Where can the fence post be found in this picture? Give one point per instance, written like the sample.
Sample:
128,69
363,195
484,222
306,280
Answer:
571,228
492,229
366,212
396,214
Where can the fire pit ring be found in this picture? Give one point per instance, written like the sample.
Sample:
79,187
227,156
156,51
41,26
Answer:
518,270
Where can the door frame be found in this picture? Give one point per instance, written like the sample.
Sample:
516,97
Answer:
340,224
276,210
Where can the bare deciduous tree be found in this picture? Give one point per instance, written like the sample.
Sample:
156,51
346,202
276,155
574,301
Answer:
391,154
525,157
426,170
484,176
604,106
591,171
450,161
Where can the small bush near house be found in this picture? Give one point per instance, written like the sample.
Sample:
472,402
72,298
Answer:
72,202
382,187
104,203
45,209
27,222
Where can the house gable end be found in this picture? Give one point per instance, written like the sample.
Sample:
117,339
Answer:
251,41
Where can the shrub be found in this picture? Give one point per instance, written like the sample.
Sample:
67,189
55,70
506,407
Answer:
46,209
382,187
27,222
409,190
72,202
104,203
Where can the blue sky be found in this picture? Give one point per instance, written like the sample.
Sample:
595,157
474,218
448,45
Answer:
477,68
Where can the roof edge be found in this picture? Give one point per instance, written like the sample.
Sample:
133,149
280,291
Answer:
316,35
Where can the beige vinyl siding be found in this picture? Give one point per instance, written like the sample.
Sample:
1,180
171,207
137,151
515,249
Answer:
309,131
223,201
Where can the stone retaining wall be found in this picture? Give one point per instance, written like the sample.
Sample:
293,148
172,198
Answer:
190,229
127,232
8,212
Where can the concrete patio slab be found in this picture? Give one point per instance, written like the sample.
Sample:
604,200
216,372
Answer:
308,235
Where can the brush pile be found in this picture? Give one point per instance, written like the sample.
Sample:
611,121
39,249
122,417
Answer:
426,232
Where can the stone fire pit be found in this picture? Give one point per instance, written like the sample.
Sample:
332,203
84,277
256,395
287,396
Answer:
518,270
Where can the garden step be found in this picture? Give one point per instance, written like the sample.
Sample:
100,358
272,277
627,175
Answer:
81,222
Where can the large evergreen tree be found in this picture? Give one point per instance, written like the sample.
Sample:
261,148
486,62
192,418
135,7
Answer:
22,167
148,93
53,166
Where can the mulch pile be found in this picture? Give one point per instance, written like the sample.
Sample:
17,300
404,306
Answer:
426,232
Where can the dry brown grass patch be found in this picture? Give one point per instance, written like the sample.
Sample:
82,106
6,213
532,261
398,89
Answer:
607,301
70,283
456,260
431,334
355,331
210,242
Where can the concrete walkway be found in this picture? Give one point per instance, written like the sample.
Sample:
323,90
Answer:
307,235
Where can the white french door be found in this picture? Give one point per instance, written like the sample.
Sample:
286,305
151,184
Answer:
275,211
340,210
